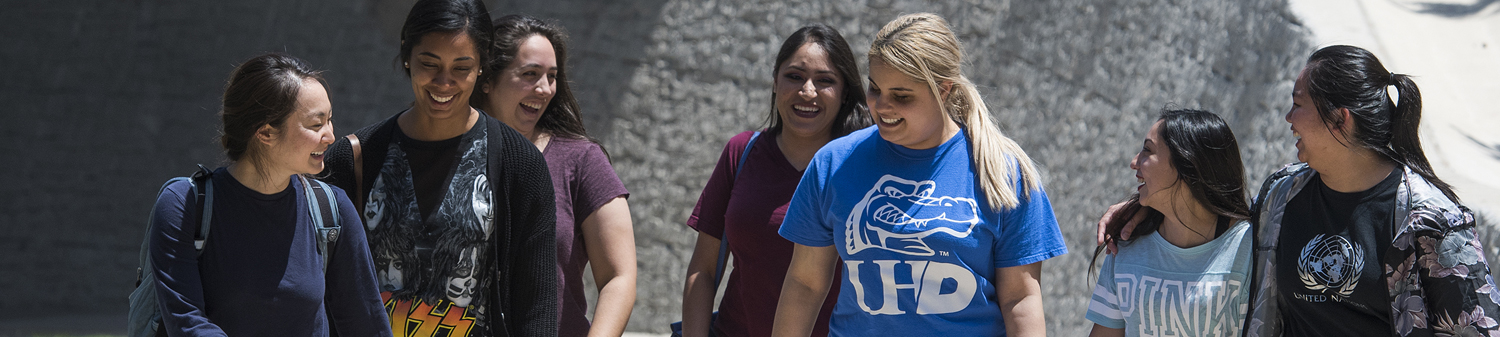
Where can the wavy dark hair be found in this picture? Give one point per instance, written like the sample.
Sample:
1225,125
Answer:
261,91
1349,77
445,16
1207,159
561,118
852,114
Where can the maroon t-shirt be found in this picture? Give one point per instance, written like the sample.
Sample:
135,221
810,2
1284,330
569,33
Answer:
582,181
751,207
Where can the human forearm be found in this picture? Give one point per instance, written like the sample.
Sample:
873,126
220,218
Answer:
698,287
807,282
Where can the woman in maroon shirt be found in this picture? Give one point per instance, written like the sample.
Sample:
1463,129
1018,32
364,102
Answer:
526,88
816,96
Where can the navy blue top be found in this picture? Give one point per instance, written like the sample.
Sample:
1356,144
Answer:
260,273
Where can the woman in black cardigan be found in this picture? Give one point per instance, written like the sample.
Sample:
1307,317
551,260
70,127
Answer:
458,207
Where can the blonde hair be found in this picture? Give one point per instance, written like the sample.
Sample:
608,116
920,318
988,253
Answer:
922,47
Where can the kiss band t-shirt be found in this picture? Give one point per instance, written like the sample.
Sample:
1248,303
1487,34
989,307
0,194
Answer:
433,262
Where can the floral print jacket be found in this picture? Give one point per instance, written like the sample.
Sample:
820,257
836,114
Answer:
1435,268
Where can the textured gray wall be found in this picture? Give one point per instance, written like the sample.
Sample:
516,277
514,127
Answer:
106,99
1075,82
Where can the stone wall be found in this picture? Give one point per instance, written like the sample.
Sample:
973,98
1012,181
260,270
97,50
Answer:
1077,83
107,99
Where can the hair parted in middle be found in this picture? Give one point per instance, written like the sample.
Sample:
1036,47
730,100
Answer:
445,16
921,46
561,117
852,114
262,91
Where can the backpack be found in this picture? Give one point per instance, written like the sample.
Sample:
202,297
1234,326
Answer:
145,314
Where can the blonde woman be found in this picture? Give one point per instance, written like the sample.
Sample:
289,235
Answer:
939,219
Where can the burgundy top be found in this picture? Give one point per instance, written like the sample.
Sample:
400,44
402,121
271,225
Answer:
751,206
583,181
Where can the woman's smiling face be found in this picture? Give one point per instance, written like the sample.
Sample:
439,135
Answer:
443,68
808,91
906,110
1154,171
521,92
1316,142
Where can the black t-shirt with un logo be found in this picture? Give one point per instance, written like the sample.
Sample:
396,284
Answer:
1329,260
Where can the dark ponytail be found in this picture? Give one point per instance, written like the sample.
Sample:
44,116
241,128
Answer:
1352,78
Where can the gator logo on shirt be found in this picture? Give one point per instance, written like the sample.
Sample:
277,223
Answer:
898,214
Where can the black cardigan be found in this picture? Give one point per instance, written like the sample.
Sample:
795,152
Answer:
524,218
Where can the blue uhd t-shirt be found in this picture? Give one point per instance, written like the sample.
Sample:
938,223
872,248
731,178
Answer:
918,241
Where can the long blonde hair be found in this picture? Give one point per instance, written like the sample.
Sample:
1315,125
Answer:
922,47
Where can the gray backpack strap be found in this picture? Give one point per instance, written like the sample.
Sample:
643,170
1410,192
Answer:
203,191
324,216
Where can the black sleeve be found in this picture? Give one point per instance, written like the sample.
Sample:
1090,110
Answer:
533,288
338,166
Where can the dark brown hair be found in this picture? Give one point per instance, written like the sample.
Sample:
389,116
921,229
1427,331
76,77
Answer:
852,114
445,16
261,91
561,117
1207,158
1352,78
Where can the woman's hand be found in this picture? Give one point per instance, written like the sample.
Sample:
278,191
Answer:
1135,219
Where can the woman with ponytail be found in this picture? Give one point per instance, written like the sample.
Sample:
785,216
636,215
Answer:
1360,238
937,221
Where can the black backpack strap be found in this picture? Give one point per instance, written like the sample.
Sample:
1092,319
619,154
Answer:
324,216
203,195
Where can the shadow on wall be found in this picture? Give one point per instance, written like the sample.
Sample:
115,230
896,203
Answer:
1447,9
1492,149
129,96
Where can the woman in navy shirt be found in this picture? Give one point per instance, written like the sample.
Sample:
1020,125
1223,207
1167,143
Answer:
261,272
